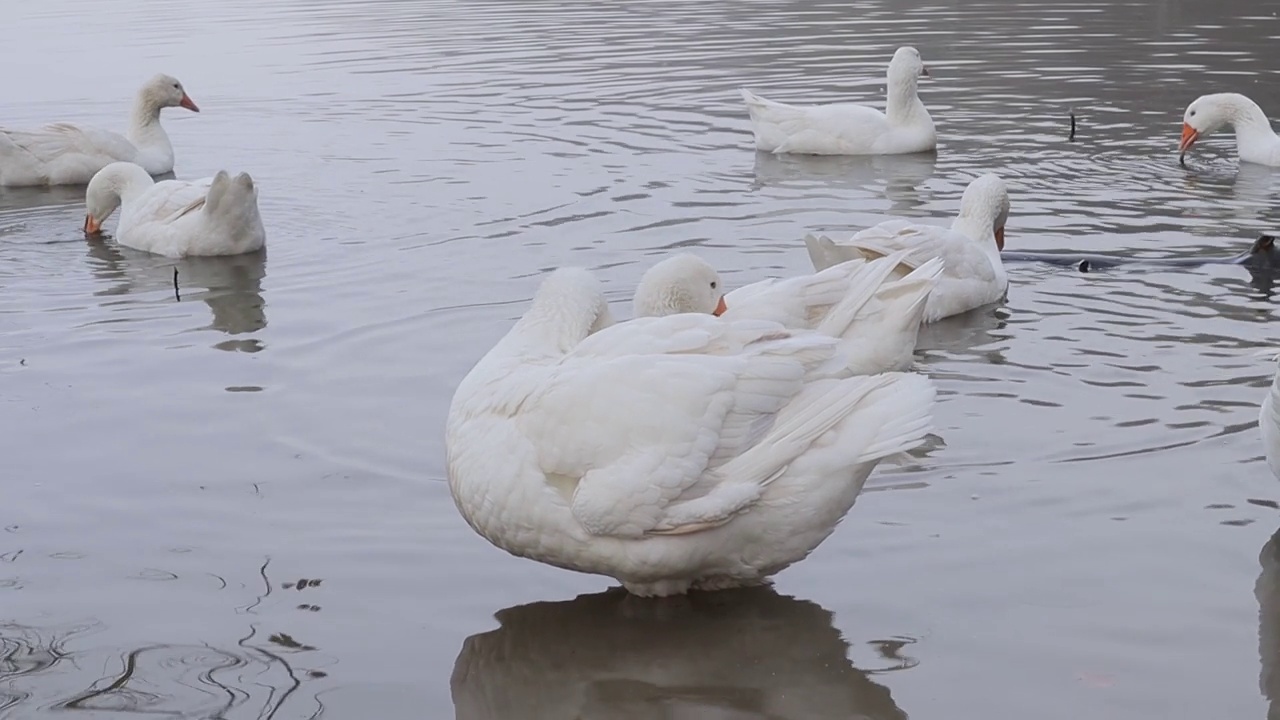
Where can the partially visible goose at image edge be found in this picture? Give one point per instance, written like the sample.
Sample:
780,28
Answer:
877,320
1256,142
1269,416
671,453
176,218
848,128
973,275
69,154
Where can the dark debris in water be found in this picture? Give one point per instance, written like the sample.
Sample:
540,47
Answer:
1264,503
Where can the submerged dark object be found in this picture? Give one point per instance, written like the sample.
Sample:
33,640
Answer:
1072,135
1263,256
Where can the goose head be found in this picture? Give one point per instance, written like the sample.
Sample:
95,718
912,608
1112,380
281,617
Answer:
907,65
984,207
1209,113
682,283
106,190
164,91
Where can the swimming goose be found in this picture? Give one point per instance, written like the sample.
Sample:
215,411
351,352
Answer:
876,321
1256,142
973,275
67,154
846,128
670,453
176,218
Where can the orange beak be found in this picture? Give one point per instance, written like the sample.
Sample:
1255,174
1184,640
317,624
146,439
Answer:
924,71
188,103
1189,137
1000,238
720,307
91,226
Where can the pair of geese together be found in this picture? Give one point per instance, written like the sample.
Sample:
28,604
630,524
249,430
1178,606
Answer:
905,126
211,216
714,439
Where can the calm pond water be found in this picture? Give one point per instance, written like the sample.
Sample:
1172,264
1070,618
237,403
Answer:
233,505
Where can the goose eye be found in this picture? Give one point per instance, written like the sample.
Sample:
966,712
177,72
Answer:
176,86
713,286
1193,113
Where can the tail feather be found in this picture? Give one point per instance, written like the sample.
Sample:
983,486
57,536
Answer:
215,199
824,252
864,285
899,410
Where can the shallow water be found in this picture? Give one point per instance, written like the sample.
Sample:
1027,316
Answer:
231,503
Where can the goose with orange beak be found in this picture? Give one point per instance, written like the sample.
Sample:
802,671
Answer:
70,154
970,249
1256,142
876,320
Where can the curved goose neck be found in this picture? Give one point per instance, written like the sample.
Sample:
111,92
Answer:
904,103
155,151
1247,118
566,309
122,180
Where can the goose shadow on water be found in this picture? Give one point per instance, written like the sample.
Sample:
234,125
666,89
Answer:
734,654
901,175
230,285
1267,592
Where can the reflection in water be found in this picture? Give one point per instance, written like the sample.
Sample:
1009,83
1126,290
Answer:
900,175
231,286
735,654
1267,591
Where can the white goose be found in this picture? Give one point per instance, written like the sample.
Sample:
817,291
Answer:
668,453
176,218
847,128
1269,419
67,154
974,275
877,322
1256,142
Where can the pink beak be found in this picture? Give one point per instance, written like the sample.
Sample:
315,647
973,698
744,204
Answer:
188,103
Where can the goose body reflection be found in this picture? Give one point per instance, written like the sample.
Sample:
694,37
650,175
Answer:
231,286
899,178
1267,592
749,653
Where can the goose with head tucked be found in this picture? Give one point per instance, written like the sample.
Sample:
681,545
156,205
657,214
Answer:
1256,142
670,453
176,218
973,275
847,128
68,154
877,320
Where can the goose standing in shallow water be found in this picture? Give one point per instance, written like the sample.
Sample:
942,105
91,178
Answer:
876,321
847,128
1256,142
176,218
974,274
67,154
670,453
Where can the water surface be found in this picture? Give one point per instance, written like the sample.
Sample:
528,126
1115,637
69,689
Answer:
231,503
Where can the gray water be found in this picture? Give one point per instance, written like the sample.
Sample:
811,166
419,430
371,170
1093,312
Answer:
232,504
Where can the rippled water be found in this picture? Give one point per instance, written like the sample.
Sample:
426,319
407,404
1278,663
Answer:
232,504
